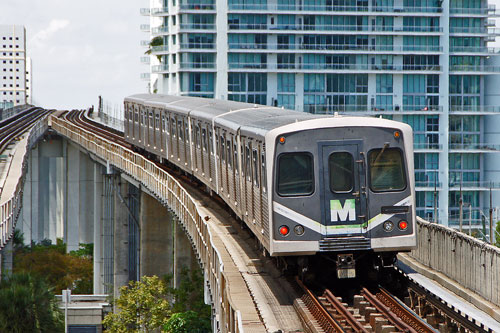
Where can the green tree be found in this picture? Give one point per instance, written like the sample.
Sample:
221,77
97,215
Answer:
28,305
141,307
157,41
187,322
497,234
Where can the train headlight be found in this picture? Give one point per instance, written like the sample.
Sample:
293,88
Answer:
299,230
282,140
397,134
284,230
388,225
403,225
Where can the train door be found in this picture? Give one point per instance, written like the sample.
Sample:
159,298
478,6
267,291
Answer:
343,185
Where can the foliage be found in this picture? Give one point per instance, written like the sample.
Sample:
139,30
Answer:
27,305
142,306
187,322
157,41
62,270
85,251
189,297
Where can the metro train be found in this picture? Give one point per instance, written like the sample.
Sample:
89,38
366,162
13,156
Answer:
307,186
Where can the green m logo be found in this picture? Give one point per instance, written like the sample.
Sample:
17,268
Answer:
348,212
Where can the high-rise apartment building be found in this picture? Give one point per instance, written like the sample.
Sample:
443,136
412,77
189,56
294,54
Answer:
13,85
424,62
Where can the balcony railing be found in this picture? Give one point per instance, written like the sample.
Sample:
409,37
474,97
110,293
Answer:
474,146
332,8
484,184
160,68
145,11
197,65
474,11
427,146
475,30
472,109
145,27
159,49
474,49
474,68
319,66
204,6
198,46
159,11
159,30
198,26
365,109
321,27
428,183
145,76
325,47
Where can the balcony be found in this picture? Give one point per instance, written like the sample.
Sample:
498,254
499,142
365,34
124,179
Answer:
427,146
428,184
159,30
337,67
197,7
197,26
482,109
332,8
198,46
145,60
475,30
145,27
472,69
197,65
336,28
158,69
159,49
145,43
474,147
366,110
145,11
145,76
336,47
161,11
469,11
474,49
475,185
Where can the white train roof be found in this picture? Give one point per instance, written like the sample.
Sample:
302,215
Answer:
250,119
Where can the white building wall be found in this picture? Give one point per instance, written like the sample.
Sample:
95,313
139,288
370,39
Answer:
13,64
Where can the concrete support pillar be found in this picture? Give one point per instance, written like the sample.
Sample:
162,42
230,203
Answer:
120,234
156,237
72,216
98,256
7,258
86,211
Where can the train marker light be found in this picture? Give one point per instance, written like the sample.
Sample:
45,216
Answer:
397,134
284,230
403,225
299,230
388,225
282,140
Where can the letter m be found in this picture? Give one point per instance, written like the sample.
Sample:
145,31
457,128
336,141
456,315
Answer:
339,213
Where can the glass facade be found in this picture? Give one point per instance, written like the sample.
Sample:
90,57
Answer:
423,62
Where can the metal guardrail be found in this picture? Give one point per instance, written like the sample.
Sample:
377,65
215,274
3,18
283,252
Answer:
10,208
471,262
168,190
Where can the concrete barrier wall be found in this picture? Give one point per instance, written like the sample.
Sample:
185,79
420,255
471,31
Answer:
11,196
472,263
168,191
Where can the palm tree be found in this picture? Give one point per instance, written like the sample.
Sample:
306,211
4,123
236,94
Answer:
28,305
157,41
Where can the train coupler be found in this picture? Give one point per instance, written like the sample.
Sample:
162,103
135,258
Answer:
346,266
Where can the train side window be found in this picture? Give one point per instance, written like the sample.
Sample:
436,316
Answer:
164,123
387,172
229,154
136,116
173,128
236,162
341,171
248,169
263,171
151,119
295,174
180,130
210,140
222,149
198,139
186,129
157,121
204,139
256,168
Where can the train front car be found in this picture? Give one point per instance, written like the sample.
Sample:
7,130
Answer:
344,189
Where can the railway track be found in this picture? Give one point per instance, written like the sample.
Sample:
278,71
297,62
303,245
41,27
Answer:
13,127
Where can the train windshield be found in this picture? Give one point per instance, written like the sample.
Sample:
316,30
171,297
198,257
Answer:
386,170
295,174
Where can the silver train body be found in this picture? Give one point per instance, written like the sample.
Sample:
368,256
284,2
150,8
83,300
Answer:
303,184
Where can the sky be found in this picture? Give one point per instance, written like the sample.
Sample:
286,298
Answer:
81,49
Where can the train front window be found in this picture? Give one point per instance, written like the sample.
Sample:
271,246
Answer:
386,170
295,174
341,170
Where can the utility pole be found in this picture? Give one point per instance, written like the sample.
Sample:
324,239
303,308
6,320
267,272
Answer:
460,205
435,197
491,217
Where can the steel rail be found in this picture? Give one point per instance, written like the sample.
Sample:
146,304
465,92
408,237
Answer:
11,131
324,318
353,322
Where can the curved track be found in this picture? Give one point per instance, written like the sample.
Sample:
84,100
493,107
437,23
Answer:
12,127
